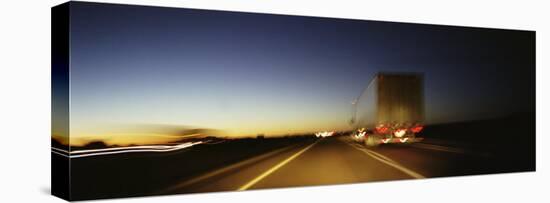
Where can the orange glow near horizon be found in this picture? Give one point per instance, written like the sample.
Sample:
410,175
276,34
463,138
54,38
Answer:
126,139
121,136
125,133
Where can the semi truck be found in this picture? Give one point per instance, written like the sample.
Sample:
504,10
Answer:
389,110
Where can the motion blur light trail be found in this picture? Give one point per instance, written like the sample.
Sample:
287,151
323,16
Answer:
324,134
119,150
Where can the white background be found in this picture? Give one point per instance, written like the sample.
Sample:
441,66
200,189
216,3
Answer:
25,101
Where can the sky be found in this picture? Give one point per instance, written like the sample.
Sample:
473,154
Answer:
247,74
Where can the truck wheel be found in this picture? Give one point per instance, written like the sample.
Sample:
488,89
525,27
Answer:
372,141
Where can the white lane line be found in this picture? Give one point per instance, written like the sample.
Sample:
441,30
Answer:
381,156
273,169
359,147
224,170
439,148
389,162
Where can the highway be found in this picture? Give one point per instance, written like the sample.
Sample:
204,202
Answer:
328,161
297,161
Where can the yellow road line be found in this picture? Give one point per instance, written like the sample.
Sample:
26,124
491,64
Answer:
274,168
389,162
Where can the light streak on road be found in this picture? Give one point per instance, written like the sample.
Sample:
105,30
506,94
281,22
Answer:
324,134
218,142
274,168
119,150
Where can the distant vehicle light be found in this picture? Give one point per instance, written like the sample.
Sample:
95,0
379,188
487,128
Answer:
324,134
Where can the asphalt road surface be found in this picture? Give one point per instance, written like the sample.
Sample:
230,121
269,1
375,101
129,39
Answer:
456,149
333,161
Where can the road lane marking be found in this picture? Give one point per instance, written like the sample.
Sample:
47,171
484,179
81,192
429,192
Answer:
439,148
273,169
389,162
224,169
359,147
381,156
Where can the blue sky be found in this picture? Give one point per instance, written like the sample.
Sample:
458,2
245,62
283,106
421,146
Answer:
251,73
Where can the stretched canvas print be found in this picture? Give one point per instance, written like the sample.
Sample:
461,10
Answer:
155,101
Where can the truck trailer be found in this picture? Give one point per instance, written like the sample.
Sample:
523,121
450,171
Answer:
389,110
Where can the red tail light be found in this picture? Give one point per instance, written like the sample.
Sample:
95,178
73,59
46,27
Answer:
382,129
417,129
